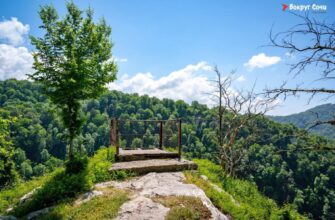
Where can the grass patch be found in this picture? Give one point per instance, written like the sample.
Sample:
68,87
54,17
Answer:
240,199
62,186
100,164
10,196
184,207
102,207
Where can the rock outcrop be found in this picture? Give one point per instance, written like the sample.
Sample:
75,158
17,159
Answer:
158,184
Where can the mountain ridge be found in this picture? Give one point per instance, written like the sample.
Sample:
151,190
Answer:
306,118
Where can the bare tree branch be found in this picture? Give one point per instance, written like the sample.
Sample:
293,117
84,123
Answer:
321,49
318,51
237,109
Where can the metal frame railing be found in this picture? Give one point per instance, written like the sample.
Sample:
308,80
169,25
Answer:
114,133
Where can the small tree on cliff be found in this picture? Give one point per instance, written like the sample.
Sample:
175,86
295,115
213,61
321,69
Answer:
72,62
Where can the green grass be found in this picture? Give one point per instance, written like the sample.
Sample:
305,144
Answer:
100,163
102,207
184,207
12,195
239,199
59,187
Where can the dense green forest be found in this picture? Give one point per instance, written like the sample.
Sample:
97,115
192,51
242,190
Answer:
280,161
307,118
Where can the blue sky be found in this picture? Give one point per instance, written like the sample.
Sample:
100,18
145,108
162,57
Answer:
164,48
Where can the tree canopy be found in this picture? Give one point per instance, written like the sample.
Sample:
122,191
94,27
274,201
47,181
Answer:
73,61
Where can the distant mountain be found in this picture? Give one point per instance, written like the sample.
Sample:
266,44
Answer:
305,119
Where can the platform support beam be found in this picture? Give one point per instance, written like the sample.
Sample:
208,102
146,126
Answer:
179,139
161,135
114,136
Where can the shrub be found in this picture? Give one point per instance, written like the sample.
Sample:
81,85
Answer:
100,163
39,170
77,177
11,195
62,186
76,165
136,143
99,166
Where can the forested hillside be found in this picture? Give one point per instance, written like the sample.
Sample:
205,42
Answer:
307,118
282,161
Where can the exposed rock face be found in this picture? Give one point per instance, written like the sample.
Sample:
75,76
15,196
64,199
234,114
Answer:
158,184
36,214
28,196
142,208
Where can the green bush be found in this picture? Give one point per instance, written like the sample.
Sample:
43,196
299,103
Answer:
11,195
64,185
61,187
100,164
77,177
76,165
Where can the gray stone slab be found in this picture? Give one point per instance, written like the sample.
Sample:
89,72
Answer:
154,165
145,154
141,206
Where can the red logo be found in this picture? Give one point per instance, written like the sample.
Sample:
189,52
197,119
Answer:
284,6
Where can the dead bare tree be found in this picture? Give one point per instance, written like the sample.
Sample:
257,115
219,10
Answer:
237,110
319,51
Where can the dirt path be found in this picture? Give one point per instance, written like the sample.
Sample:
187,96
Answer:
141,206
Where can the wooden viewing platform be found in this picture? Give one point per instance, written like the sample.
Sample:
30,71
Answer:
151,160
143,161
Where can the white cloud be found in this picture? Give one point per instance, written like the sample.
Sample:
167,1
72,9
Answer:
13,31
15,62
261,61
188,84
240,78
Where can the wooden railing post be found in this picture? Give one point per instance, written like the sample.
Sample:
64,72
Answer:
179,140
117,138
161,135
114,136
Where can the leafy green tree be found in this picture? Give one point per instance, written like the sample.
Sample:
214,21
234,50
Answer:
26,170
136,143
53,163
45,155
8,173
39,170
72,62
19,156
